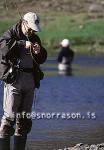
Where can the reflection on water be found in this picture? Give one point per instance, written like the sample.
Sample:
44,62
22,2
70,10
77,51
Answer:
82,92
65,73
82,66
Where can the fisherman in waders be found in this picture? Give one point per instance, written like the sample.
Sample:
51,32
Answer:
65,58
21,52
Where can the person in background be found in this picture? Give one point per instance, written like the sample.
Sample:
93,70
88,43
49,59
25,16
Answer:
65,58
21,48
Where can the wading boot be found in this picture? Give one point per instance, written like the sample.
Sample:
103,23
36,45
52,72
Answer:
4,143
19,142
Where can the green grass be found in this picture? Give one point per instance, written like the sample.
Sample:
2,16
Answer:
4,25
82,32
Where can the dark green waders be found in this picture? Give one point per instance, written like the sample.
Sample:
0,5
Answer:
19,142
4,143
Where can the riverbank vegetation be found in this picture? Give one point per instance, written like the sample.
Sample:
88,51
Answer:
84,30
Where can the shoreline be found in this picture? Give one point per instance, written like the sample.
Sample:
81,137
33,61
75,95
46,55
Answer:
56,146
82,146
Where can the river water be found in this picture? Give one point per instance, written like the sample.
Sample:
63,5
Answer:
68,109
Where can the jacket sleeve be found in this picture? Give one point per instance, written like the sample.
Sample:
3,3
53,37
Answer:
42,56
9,45
4,43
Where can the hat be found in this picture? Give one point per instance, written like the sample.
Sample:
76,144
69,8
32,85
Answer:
65,43
33,21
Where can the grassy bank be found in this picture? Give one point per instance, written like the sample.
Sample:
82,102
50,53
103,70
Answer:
84,33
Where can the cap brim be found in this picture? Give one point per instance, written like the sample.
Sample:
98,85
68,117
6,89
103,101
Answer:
34,27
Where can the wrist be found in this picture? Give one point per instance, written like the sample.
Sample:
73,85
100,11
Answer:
21,43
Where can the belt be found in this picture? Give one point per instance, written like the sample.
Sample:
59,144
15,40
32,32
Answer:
27,70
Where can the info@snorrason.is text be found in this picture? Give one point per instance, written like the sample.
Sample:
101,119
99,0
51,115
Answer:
57,115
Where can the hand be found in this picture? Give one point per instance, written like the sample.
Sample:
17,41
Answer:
28,44
36,48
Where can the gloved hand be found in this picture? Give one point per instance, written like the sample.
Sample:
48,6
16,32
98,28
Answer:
35,47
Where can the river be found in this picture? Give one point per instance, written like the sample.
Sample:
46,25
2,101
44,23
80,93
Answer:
68,109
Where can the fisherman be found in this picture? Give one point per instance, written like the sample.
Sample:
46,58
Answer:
21,54
65,57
